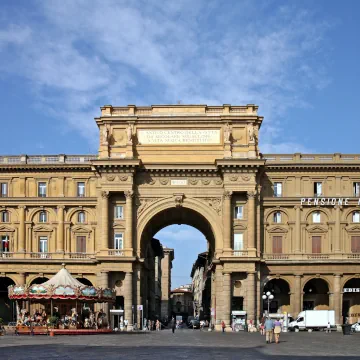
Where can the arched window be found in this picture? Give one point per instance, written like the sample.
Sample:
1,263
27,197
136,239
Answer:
277,217
316,217
81,217
43,216
5,216
356,216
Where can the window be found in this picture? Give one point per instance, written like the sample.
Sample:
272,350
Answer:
118,241
278,189
42,189
5,216
355,244
238,243
277,217
316,217
239,212
317,189
3,190
43,216
81,244
316,244
356,217
119,212
80,189
277,244
43,245
81,217
356,187
5,243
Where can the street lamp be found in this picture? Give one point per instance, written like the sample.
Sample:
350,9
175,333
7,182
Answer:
268,296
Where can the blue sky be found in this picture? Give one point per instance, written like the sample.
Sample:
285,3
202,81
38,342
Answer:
61,60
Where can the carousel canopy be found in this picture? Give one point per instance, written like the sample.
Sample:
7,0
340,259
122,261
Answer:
61,286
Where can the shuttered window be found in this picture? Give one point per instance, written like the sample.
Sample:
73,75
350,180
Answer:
81,244
277,244
316,244
355,244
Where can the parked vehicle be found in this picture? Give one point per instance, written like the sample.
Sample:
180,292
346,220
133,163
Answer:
313,319
355,327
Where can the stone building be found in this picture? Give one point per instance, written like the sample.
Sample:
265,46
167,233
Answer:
182,302
166,266
286,223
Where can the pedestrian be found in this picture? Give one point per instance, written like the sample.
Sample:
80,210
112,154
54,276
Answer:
126,323
277,330
223,326
328,328
262,326
173,325
157,325
269,327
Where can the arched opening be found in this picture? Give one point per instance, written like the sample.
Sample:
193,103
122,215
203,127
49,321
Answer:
39,280
7,306
85,281
191,236
280,289
316,295
351,301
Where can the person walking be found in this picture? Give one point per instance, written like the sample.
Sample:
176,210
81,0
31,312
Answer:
328,328
262,326
157,325
173,325
269,327
277,330
223,326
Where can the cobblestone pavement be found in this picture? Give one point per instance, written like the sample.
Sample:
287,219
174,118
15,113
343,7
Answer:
185,344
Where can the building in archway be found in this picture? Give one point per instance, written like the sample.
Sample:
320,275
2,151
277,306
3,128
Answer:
182,301
294,218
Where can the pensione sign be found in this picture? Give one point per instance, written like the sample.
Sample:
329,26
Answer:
351,290
315,201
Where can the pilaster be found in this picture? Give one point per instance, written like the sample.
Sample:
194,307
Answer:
227,220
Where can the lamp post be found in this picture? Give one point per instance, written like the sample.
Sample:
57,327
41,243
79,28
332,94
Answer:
268,296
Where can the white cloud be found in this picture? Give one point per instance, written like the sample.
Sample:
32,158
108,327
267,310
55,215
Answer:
85,53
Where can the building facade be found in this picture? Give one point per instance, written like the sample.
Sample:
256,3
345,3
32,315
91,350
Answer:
284,223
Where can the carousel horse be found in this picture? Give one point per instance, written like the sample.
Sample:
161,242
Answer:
91,319
101,320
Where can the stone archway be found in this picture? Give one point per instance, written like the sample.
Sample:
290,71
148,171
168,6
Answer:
280,289
158,218
7,306
316,295
351,301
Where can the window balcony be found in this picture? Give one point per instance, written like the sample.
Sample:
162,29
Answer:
311,257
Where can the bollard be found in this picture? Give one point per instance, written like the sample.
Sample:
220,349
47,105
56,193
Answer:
52,333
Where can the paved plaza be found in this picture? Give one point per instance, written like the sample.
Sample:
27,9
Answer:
185,344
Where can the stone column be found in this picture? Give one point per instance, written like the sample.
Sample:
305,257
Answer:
251,296
129,220
227,220
22,232
60,233
251,220
337,298
226,294
105,220
128,298
297,295
22,279
337,245
137,293
103,282
297,229
218,296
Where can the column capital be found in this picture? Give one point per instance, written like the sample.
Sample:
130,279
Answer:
298,207
105,194
298,275
251,194
62,207
129,194
22,207
227,272
227,195
338,207
338,275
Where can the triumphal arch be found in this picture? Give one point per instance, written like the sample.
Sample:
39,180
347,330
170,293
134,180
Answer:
184,164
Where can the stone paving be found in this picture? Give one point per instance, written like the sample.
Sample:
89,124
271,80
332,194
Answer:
185,344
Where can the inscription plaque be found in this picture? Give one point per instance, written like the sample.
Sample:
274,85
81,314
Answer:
197,136
178,182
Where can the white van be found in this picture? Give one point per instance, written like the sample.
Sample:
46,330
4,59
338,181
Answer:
313,319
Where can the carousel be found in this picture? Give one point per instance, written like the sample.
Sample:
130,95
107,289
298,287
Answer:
67,306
